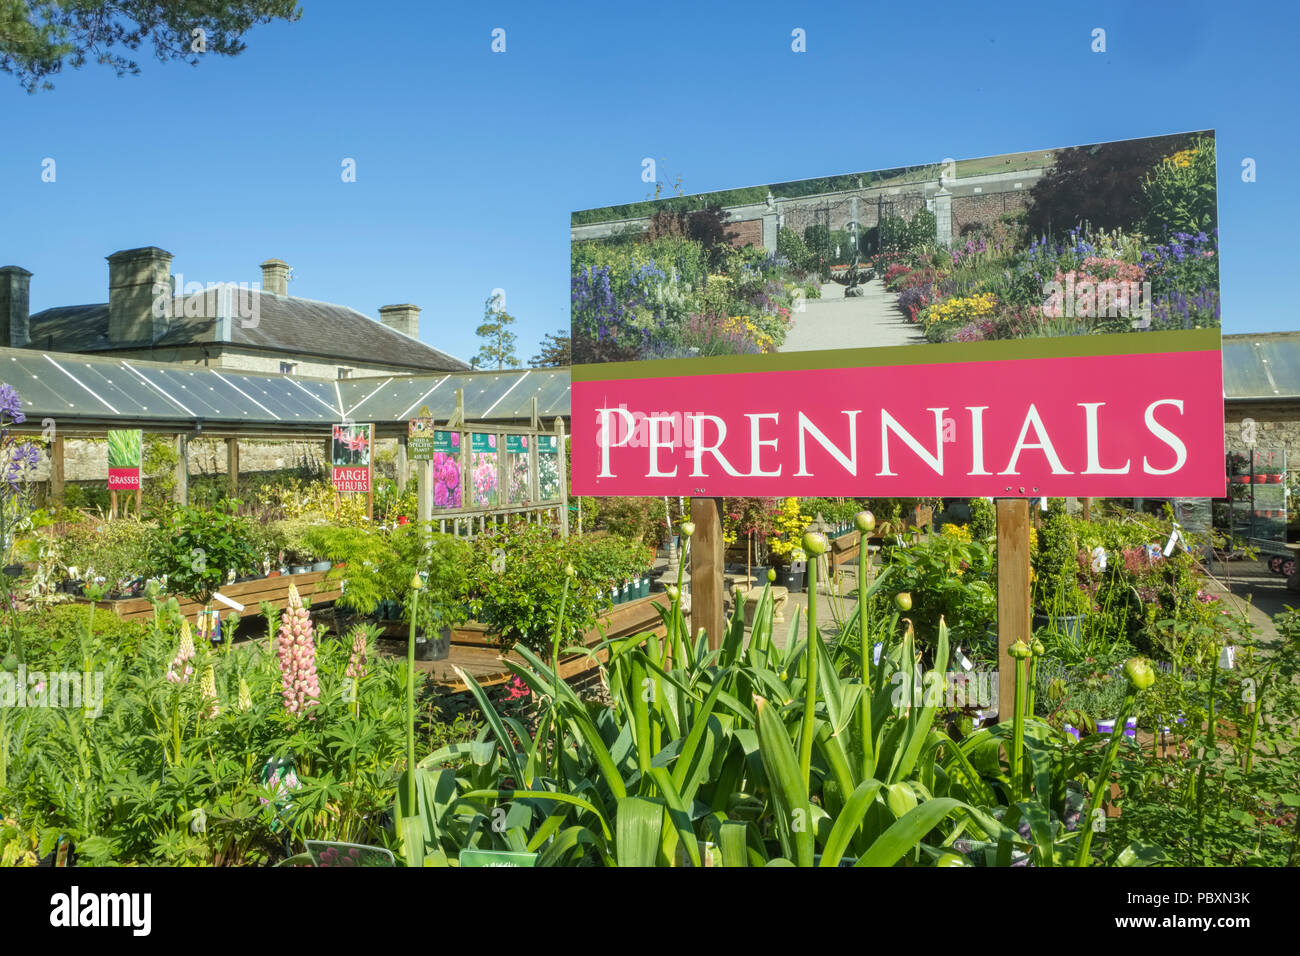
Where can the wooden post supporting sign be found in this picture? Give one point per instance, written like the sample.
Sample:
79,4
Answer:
707,589
1013,594
232,465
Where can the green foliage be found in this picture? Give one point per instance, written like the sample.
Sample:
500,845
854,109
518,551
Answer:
517,583
159,474
903,235
948,579
1181,192
198,549
642,519
158,778
794,247
983,522
1055,563
443,565
119,551
40,38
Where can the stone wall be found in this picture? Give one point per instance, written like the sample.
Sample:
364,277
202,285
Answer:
87,460
1276,425
249,361
985,208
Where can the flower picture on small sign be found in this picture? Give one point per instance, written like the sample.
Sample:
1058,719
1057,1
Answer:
125,451
350,456
419,439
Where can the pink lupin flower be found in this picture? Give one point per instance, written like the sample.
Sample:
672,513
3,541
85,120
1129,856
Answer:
297,654
181,670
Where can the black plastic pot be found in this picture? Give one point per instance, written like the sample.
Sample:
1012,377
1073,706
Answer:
13,570
792,578
433,649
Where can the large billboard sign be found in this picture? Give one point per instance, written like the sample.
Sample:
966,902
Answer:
1042,323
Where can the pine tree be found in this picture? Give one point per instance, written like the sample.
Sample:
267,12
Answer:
554,351
498,348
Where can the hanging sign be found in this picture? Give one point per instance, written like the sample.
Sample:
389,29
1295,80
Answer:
125,455
350,456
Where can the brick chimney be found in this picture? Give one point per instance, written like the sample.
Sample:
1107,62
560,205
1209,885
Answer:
15,307
401,318
135,278
275,276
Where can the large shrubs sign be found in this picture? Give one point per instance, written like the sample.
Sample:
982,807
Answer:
350,456
906,332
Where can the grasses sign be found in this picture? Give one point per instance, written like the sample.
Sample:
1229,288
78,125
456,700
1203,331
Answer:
125,455
1041,323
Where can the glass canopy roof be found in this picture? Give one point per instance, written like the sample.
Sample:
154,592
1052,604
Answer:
1261,366
99,389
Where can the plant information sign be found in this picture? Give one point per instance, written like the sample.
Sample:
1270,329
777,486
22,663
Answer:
1040,323
125,455
419,437
350,456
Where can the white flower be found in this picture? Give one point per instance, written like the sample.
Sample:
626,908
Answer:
1098,560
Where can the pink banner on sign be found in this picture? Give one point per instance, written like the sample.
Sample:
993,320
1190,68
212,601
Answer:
123,479
1145,425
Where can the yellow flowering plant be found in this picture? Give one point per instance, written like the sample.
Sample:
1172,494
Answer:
786,541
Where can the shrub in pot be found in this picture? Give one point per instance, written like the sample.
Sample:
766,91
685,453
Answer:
519,597
443,602
198,548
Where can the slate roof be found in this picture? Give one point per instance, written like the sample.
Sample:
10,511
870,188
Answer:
296,327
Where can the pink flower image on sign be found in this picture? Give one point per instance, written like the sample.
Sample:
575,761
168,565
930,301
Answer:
446,481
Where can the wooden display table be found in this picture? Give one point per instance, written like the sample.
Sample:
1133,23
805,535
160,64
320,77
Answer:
312,586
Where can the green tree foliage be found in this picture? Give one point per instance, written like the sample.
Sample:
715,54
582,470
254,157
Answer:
1099,185
39,37
1180,192
554,352
498,348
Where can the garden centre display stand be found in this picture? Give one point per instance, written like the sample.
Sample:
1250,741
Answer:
478,653
313,586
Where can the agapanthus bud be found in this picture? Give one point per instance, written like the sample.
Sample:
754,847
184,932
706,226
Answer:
815,544
1139,673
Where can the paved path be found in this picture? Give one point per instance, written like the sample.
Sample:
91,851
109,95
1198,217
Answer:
836,322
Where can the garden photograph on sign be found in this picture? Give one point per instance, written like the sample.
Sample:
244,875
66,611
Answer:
125,454
350,455
1041,322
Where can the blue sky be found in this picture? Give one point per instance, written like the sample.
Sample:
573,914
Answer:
469,162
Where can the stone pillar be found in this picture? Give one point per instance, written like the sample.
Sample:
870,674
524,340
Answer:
769,231
943,216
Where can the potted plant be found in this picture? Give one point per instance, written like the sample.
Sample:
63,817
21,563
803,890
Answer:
785,546
443,602
197,549
298,555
